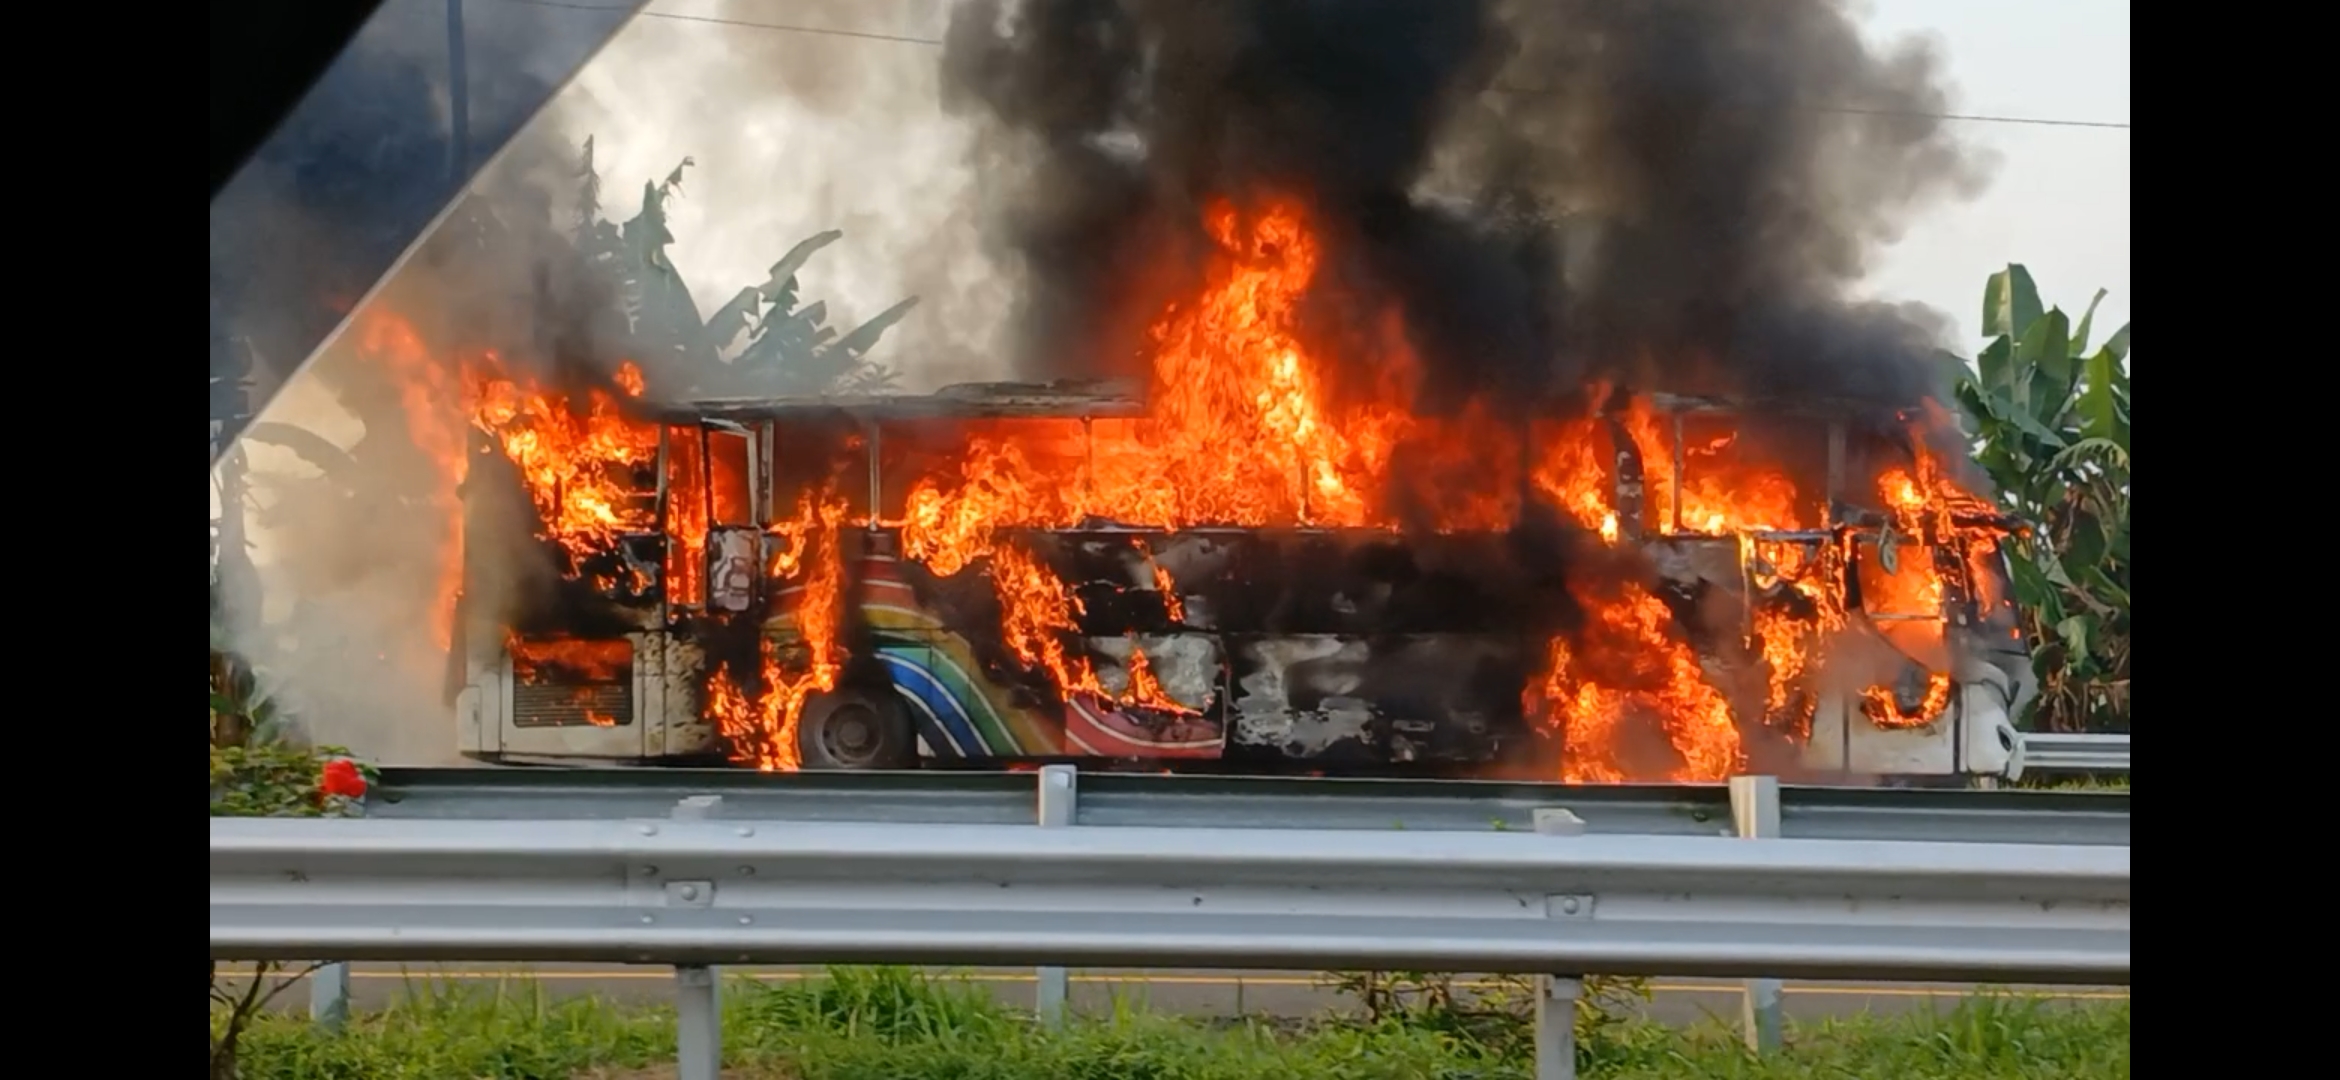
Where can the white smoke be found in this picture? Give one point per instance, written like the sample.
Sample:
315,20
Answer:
791,133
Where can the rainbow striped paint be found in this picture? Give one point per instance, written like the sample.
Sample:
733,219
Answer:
959,713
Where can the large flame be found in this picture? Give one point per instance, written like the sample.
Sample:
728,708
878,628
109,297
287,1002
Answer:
1905,600
428,388
577,457
1242,429
763,728
1036,618
1630,659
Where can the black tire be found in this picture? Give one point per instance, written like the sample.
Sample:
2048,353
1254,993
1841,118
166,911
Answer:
856,729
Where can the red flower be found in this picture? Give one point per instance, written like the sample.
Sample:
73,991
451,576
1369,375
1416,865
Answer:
341,777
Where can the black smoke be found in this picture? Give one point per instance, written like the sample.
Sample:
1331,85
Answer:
1679,193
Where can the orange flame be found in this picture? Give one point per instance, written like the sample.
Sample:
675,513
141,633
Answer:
1037,614
426,386
1172,607
1245,430
548,660
578,458
1629,660
1719,494
1569,472
1230,370
764,727
1906,602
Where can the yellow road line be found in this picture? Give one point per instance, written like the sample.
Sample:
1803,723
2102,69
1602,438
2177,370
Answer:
1212,980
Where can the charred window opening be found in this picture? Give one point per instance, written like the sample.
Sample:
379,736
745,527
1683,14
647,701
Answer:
822,456
1732,473
1988,575
686,518
734,541
729,487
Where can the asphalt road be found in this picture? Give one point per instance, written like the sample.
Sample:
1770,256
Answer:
1192,993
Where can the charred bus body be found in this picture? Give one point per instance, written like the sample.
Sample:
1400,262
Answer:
1267,649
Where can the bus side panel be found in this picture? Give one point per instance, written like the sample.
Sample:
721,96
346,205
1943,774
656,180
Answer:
1337,699
971,700
1187,669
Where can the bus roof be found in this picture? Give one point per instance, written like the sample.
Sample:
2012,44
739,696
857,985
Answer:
1079,399
1064,400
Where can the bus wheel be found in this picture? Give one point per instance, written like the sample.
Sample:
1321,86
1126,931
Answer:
853,728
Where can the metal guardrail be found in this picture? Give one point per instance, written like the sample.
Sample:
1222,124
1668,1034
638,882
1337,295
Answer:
1220,802
705,892
2056,752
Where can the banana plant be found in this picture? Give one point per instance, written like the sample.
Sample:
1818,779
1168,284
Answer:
2049,420
789,349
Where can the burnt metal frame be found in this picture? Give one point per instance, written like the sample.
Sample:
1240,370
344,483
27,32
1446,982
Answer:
1837,531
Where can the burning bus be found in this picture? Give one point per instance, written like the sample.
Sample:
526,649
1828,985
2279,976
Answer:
753,598
1246,563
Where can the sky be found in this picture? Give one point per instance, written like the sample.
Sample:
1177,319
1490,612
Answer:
2059,203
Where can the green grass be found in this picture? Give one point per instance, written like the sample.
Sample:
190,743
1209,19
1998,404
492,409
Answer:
893,1024
2075,783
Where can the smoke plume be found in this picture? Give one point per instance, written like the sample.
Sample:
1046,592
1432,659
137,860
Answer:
1675,192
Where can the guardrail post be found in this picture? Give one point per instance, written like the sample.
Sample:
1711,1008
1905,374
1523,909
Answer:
1557,995
329,996
1059,793
698,1023
1755,816
698,988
